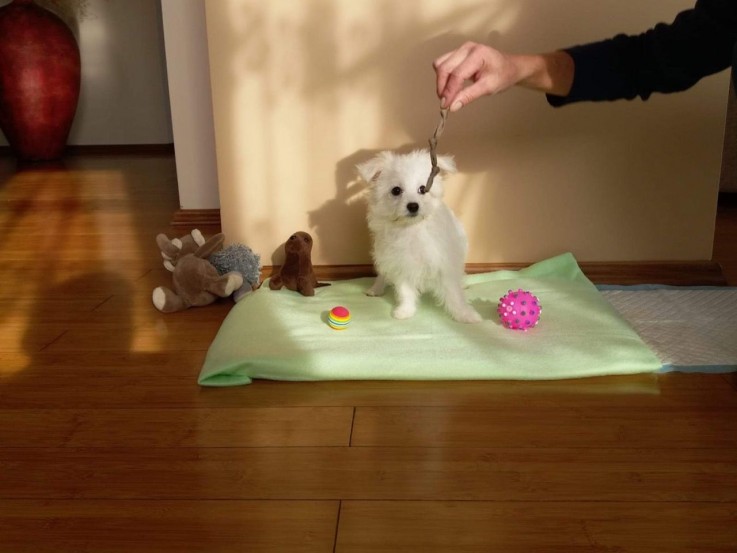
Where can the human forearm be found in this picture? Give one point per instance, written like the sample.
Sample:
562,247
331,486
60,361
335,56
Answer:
551,73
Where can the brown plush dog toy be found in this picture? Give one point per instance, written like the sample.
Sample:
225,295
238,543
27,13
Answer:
297,273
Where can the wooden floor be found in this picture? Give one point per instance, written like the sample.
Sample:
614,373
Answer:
108,444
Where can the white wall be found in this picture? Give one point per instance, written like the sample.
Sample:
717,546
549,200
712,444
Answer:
124,97
188,69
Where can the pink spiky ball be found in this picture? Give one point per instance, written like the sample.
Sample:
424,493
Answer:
519,310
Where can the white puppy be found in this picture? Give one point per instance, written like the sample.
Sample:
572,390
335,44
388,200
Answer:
418,244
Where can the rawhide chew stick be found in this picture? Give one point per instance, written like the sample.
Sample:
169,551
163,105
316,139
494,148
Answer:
433,147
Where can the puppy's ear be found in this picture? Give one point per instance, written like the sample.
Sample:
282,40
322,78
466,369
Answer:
371,169
447,164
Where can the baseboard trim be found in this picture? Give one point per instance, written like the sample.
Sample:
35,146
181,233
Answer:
108,150
675,273
196,218
120,149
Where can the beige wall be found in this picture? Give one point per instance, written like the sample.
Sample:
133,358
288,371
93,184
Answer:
305,89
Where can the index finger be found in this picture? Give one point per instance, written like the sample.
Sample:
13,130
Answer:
446,64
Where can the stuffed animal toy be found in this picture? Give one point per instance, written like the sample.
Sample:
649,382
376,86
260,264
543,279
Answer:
297,273
172,250
196,281
235,257
238,257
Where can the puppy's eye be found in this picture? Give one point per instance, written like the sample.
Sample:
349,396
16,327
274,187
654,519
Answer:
396,191
421,190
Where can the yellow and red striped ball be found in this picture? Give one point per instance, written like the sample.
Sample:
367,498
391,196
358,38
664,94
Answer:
339,318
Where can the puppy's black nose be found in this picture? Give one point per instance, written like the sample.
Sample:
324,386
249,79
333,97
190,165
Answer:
413,207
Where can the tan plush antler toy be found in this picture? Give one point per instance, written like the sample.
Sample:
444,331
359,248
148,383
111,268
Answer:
172,250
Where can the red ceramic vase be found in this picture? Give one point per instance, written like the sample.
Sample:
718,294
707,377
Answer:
39,80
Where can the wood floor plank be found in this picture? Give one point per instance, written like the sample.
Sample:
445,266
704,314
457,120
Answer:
20,337
331,473
674,380
123,391
19,272
114,312
149,336
480,527
97,379
167,526
731,379
146,428
54,309
609,424
80,291
82,252
86,364
116,222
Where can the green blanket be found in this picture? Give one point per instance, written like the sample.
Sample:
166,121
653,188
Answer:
281,335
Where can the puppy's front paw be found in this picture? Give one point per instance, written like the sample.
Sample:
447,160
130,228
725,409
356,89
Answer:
377,288
403,311
468,316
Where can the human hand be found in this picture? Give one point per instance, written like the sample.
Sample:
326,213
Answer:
472,71
475,70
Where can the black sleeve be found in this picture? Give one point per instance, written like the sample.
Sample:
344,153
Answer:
667,58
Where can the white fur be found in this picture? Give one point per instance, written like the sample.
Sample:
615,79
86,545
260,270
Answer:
418,243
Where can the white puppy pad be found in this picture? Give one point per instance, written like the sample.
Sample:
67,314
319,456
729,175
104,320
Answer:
688,328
